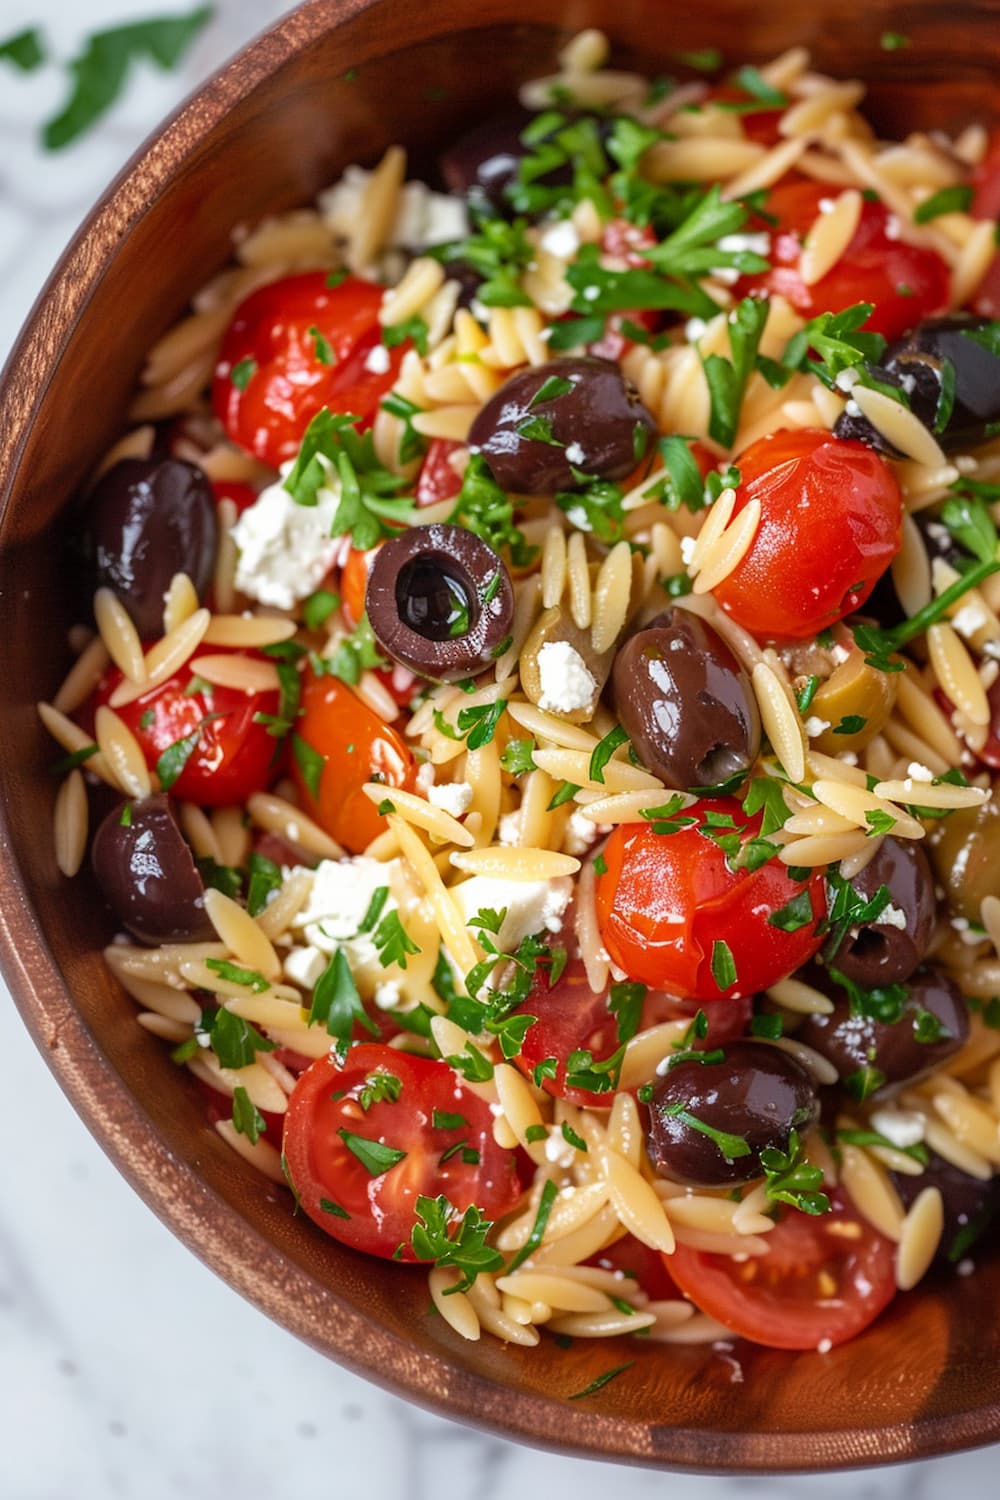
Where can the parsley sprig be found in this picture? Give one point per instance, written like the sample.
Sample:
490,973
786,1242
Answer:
441,1236
791,1179
369,506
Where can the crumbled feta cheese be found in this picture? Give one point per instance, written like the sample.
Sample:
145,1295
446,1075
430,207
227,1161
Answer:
532,905
826,205
581,832
387,995
893,228
338,902
303,966
422,218
892,916
566,683
970,618
688,544
559,1151
758,244
847,379
815,726
903,1127
575,454
852,409
454,797
917,772
577,516
908,383
694,328
378,359
561,239
285,549
425,779
838,654
509,828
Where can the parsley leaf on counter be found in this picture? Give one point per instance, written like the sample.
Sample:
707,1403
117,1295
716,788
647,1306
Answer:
24,51
101,70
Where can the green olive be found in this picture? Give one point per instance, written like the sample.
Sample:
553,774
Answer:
554,627
856,702
965,853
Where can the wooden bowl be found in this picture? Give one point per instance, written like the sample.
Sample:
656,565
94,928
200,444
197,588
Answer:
275,125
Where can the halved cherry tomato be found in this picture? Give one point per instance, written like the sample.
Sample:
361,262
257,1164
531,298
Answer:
354,583
831,513
986,205
242,495
437,479
669,906
287,373
640,1267
571,1017
823,1280
356,746
760,124
371,1210
232,756
905,282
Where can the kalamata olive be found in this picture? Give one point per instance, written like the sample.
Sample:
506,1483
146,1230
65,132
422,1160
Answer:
923,364
964,850
148,875
481,164
873,1057
888,950
440,601
550,423
756,1096
971,1206
147,519
686,703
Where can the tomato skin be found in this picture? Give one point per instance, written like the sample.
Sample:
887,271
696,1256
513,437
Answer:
357,747
775,1299
760,125
234,756
242,495
831,517
570,1016
382,1208
986,205
666,899
437,479
354,583
289,385
871,269
641,1266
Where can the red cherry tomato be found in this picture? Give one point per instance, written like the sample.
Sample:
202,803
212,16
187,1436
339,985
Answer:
831,512
354,583
823,1280
570,1017
437,479
233,755
640,1267
759,124
287,373
667,901
355,746
377,1208
242,495
873,268
986,205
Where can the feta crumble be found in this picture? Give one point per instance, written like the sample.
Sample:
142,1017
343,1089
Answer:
566,683
575,454
531,905
454,797
903,1127
378,359
561,239
285,549
815,726
892,916
423,217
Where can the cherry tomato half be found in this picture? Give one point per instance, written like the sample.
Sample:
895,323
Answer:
242,495
831,513
355,746
298,345
824,1279
232,756
669,908
437,479
986,205
570,1017
354,583
760,123
374,1210
906,283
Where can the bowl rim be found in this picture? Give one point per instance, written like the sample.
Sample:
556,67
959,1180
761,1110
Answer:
173,1188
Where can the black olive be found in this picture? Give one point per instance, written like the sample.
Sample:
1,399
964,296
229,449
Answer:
923,364
440,601
686,703
971,1205
929,1024
887,952
148,875
757,1095
468,278
147,519
484,165
549,424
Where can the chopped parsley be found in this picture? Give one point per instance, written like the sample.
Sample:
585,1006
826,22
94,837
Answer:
601,1381
793,1180
378,1088
603,752
723,965
247,1118
730,1147
531,1244
374,1156
336,1004
441,1236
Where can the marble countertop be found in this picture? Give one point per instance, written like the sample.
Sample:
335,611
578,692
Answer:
126,1368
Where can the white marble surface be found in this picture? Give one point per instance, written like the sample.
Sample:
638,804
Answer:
126,1368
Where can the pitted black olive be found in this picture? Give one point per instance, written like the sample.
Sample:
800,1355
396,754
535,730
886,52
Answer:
440,601
922,1029
888,950
686,703
971,1206
549,424
484,166
709,1121
147,519
952,382
148,875
965,853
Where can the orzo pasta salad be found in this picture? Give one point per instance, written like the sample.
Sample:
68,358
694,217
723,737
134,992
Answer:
540,701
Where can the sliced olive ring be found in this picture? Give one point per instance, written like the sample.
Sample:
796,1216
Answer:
440,601
147,873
